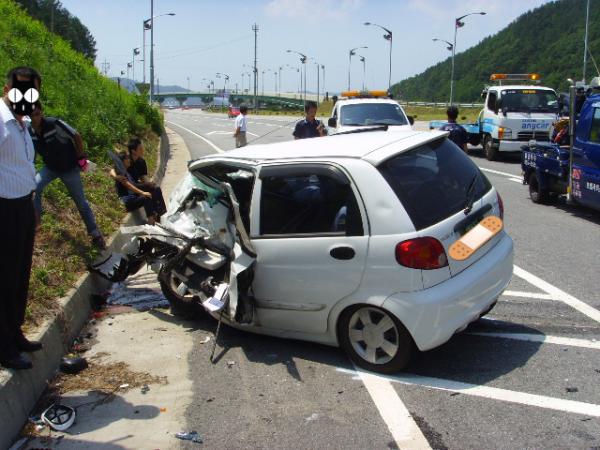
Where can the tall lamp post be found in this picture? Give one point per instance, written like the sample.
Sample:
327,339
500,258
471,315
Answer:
150,23
318,79
303,59
458,24
450,45
323,69
388,36
225,80
350,54
136,51
364,61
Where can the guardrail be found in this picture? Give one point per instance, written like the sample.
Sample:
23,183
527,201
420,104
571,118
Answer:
440,104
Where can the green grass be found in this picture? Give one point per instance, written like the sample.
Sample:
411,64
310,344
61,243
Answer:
106,117
426,113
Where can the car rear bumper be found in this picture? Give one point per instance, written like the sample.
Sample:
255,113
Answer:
433,315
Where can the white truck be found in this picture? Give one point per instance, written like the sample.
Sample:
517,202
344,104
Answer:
357,110
513,114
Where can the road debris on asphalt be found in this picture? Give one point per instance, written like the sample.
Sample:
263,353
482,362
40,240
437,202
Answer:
230,363
72,364
572,389
206,340
189,436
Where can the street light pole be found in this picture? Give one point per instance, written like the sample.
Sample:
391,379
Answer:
151,22
303,59
136,51
363,60
388,37
457,25
350,54
318,77
323,67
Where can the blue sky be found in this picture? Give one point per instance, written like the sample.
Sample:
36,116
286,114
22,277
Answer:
206,37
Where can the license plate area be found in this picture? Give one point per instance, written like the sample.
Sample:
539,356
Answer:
474,239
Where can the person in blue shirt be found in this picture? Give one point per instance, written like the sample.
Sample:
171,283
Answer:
458,134
309,127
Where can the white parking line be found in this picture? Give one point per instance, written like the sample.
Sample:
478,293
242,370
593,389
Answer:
522,398
558,294
497,172
198,136
529,337
527,295
403,427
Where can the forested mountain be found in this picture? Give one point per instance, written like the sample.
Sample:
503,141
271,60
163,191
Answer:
547,40
60,21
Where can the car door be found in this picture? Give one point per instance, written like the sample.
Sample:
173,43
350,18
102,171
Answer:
311,239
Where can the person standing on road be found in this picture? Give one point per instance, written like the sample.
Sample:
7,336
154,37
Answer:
458,134
61,148
309,127
17,213
241,125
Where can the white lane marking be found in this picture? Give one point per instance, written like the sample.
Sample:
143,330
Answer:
403,427
527,295
217,149
522,398
219,132
516,180
497,172
545,339
558,294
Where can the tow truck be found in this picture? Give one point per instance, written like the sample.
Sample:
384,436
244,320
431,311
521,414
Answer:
513,114
365,109
551,169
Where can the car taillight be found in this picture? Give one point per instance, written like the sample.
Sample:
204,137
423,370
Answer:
425,253
500,206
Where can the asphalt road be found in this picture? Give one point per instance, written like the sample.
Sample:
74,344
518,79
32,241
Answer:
525,377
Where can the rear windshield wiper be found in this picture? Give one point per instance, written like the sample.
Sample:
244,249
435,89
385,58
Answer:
364,130
470,195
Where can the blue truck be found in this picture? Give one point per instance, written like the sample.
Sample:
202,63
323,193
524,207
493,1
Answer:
551,169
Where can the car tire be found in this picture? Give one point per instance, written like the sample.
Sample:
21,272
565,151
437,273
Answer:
181,305
490,152
361,336
537,194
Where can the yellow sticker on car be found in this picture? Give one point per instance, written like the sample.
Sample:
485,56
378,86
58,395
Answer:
475,238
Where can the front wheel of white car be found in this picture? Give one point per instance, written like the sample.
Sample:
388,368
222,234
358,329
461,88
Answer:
374,339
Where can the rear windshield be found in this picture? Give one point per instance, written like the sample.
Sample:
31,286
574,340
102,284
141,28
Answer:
361,114
432,181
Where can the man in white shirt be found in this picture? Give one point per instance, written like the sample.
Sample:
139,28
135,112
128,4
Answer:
17,223
241,125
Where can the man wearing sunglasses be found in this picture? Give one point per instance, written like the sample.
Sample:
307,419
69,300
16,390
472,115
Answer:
17,216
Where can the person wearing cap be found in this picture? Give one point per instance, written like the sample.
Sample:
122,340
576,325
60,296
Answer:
61,148
458,134
17,226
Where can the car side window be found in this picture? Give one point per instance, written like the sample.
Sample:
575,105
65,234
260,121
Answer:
595,128
491,103
311,200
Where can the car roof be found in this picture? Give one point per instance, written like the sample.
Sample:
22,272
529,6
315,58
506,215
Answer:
372,146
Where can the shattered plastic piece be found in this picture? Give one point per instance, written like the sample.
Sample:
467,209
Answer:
206,340
189,436
572,389
216,302
59,417
230,363
163,409
113,268
312,417
124,386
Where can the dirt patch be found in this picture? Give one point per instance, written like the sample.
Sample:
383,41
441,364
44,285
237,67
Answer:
104,377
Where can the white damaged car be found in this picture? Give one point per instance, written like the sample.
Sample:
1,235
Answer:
346,240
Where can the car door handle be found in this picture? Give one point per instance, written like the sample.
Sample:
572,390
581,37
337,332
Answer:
343,253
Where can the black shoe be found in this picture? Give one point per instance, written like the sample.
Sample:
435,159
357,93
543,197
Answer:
25,345
17,362
98,242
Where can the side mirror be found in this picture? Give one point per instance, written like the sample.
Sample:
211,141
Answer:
332,122
411,120
504,111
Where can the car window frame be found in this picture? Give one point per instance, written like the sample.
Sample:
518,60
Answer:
286,166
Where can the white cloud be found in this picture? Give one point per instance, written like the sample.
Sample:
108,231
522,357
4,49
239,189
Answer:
311,10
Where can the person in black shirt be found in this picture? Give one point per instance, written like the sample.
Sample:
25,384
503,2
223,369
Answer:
61,148
458,134
309,127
